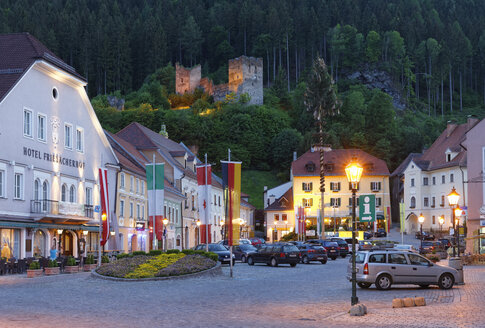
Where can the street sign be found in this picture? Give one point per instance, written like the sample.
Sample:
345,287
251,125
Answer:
97,209
367,208
482,223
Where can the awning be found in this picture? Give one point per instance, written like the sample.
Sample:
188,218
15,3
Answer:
16,224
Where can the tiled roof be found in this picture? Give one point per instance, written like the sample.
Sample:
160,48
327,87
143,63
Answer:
284,203
18,51
246,204
400,169
336,160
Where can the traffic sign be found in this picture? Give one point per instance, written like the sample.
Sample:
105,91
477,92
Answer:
97,209
367,208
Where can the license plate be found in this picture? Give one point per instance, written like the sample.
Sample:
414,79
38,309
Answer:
292,255
319,258
332,251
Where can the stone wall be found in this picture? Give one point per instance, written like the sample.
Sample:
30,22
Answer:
187,79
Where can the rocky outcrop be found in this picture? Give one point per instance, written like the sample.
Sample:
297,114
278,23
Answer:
377,79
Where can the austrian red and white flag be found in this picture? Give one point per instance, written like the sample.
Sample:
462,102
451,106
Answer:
300,220
103,187
204,189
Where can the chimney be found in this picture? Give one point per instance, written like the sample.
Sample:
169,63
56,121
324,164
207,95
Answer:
450,127
471,122
294,156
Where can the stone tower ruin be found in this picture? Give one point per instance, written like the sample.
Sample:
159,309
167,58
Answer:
245,76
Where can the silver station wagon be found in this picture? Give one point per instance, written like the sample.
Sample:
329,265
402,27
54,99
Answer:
385,268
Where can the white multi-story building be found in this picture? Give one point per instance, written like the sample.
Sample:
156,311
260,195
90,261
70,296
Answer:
430,177
51,147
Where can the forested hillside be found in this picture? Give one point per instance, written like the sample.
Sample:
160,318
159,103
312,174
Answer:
431,53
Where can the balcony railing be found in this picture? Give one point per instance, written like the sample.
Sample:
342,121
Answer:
47,206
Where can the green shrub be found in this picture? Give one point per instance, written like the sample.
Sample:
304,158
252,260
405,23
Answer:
34,266
188,251
173,251
71,261
213,256
200,252
135,253
155,252
90,259
123,255
104,259
53,264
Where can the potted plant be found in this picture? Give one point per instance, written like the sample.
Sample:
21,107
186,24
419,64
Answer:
89,264
433,258
34,270
71,266
52,268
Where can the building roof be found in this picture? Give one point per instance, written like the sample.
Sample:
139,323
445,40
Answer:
278,191
18,51
335,161
246,204
434,158
283,203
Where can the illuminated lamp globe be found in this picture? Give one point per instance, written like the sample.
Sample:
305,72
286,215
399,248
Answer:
165,221
198,223
458,212
442,220
453,197
354,172
421,218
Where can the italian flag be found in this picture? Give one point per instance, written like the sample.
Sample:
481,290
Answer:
155,188
231,177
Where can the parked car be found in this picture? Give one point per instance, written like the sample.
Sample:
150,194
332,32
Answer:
257,242
349,242
220,250
297,243
368,235
331,247
311,253
343,245
241,242
365,246
445,242
276,254
404,247
241,252
426,235
381,232
433,247
385,268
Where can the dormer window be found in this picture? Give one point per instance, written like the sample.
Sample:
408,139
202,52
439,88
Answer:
329,167
448,157
310,167
368,167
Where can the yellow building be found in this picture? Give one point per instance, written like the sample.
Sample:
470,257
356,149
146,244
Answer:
338,195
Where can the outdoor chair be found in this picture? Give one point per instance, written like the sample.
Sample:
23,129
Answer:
3,266
11,265
21,266
44,262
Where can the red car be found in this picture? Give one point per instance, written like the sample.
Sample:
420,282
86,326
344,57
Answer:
257,242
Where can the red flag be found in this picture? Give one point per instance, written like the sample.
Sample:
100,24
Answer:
103,181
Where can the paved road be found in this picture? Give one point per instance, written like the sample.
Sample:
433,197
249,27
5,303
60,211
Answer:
313,295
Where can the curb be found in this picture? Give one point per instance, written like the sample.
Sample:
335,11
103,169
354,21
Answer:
217,270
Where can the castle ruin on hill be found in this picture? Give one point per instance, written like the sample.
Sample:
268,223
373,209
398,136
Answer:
245,76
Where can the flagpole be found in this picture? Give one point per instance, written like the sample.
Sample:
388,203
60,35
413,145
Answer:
154,203
206,209
230,246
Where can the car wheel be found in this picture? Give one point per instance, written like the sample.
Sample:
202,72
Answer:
364,285
250,261
305,260
384,282
324,262
273,262
333,258
424,285
293,265
243,259
446,281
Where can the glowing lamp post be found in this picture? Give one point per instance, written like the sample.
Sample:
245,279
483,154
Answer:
441,221
198,230
453,199
354,173
421,221
165,222
458,212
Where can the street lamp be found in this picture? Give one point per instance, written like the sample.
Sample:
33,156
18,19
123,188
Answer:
354,173
198,231
453,198
421,221
441,221
165,222
458,213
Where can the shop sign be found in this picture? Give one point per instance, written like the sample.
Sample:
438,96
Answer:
310,233
482,223
140,226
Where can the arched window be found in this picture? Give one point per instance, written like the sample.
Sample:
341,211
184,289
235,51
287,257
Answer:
45,195
72,194
37,189
64,193
413,202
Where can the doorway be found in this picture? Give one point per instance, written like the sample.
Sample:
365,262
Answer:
67,243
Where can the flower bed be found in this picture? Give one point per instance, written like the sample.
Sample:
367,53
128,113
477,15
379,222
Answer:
473,259
164,265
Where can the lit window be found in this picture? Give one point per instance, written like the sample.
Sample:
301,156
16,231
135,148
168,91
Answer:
27,123
79,139
276,217
41,127
68,136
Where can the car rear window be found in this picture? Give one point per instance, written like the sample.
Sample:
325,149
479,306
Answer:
359,257
331,244
316,247
291,248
